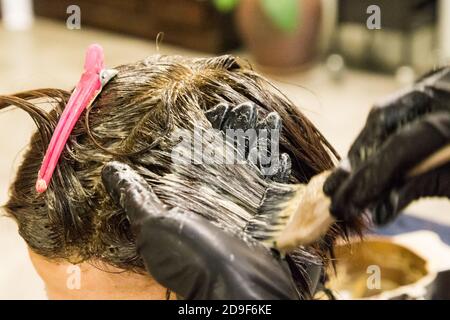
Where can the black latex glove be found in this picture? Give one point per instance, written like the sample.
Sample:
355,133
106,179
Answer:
246,116
190,256
398,135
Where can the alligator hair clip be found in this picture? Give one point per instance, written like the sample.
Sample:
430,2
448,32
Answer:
93,79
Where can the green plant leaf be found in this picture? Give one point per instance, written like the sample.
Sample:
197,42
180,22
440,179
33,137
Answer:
284,13
225,5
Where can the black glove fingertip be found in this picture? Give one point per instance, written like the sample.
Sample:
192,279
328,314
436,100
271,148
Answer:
216,115
284,170
110,179
271,122
243,116
334,181
130,191
385,212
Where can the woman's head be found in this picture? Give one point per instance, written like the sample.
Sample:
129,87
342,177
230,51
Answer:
132,120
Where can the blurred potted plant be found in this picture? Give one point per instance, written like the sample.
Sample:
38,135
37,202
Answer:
280,34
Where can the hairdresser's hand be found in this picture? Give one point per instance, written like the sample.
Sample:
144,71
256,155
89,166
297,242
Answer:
189,255
398,135
244,117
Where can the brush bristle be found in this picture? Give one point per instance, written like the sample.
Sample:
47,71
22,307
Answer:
292,215
273,213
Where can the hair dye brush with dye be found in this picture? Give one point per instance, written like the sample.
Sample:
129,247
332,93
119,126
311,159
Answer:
298,214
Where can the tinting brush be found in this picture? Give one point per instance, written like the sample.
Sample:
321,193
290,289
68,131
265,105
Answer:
298,214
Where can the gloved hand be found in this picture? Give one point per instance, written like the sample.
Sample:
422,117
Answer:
189,255
399,134
244,117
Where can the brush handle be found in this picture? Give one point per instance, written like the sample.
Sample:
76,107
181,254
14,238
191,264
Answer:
308,215
437,159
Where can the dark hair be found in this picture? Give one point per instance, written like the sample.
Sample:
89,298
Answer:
131,121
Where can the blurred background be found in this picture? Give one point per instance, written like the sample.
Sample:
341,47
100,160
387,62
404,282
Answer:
333,58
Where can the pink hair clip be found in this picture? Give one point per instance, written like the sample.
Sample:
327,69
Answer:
93,79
